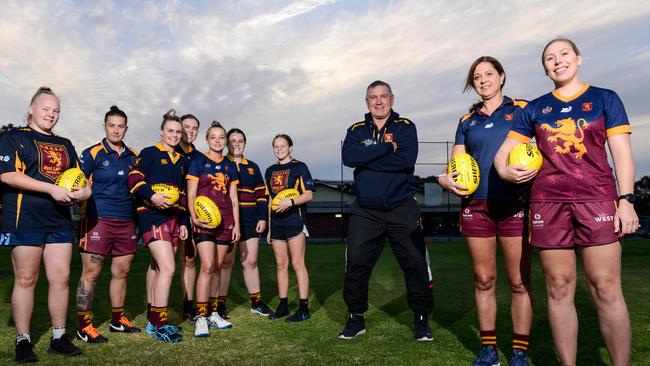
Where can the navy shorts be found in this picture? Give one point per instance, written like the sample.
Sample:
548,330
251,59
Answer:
248,232
284,233
31,238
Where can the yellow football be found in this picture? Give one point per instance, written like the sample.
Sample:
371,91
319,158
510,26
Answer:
526,155
70,178
287,194
167,189
207,210
469,173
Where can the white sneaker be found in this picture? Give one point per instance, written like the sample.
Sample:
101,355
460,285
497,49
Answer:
218,322
201,327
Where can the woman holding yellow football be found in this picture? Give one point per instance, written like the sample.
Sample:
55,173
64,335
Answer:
493,214
162,218
574,199
213,176
287,225
36,219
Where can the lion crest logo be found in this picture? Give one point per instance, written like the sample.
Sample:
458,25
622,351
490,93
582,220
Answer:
219,182
571,132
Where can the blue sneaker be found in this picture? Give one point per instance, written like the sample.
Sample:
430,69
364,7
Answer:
488,356
168,334
151,329
519,358
298,316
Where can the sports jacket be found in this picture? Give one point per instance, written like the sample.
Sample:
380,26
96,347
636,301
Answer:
383,177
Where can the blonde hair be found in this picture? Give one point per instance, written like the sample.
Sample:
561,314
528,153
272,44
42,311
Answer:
170,116
43,90
215,124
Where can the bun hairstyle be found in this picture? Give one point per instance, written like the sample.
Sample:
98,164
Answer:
43,90
169,116
215,124
235,130
115,111
286,137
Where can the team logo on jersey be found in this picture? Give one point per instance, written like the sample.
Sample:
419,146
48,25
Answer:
121,172
537,221
571,134
508,117
95,236
368,142
5,158
52,159
250,171
279,180
547,110
219,182
489,125
388,137
566,109
472,123
106,163
603,217
587,106
163,161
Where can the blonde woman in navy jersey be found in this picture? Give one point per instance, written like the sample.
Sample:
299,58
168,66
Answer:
576,202
287,225
494,214
162,223
36,219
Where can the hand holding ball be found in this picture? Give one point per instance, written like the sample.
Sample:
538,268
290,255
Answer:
468,171
527,155
287,194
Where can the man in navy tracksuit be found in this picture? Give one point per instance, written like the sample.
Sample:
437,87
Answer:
383,149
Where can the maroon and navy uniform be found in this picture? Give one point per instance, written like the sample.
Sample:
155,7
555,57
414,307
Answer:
494,208
157,165
573,198
108,216
253,201
296,175
215,178
32,217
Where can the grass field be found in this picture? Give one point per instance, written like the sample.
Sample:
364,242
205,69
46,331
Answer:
389,340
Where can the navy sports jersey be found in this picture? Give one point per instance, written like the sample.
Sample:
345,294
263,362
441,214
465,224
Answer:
42,157
190,153
157,165
383,177
251,191
482,136
214,177
279,177
571,134
109,173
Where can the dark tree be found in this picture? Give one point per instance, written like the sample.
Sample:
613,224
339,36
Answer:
642,193
6,128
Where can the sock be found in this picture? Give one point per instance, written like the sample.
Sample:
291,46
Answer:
520,341
21,336
202,309
304,304
255,298
158,316
221,301
188,305
58,332
116,314
284,303
85,318
489,338
213,305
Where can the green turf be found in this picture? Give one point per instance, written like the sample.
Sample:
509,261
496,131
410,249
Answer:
389,340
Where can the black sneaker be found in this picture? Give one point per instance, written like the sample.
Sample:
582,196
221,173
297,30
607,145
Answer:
354,327
421,329
222,311
298,316
279,313
260,308
25,352
63,346
124,326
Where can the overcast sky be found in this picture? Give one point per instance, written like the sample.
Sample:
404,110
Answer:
301,67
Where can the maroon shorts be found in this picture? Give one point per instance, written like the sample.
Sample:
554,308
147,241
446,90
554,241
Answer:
107,236
167,231
567,224
488,218
222,234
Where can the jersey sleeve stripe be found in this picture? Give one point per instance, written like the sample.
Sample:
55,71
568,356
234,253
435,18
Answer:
245,190
137,185
234,182
619,130
136,171
192,178
95,150
519,137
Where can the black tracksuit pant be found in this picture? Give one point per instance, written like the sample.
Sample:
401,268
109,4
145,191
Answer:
367,235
